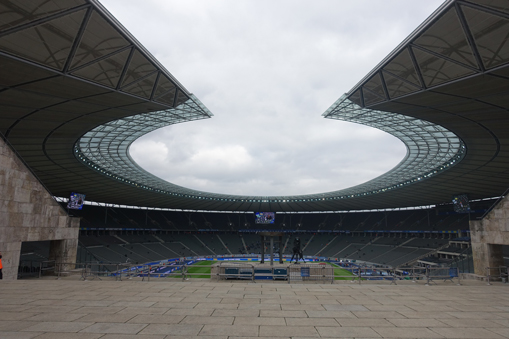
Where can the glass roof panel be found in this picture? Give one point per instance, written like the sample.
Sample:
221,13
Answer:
446,37
15,13
403,67
425,157
99,39
491,36
107,71
48,43
139,66
436,70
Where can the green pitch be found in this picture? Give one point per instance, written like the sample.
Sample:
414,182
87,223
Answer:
195,268
204,268
341,273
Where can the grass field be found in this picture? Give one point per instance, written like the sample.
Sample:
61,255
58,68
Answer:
204,267
341,272
199,268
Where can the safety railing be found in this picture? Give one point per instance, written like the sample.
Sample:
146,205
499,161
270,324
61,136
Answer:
310,273
165,270
415,273
228,270
48,265
442,273
91,271
28,268
119,271
378,273
500,273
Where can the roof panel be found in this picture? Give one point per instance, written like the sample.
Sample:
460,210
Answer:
403,67
375,85
142,88
181,98
99,39
48,44
106,71
64,87
26,99
16,13
355,97
478,87
446,37
112,99
164,85
371,98
11,74
139,66
397,87
490,35
436,70
168,98
499,5
457,106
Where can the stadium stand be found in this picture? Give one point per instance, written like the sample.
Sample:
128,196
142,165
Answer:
117,235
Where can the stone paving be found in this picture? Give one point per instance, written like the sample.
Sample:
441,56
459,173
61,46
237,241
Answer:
53,309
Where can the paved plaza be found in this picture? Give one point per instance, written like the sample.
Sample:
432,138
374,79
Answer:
68,308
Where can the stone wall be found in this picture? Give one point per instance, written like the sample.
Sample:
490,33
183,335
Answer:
488,235
28,212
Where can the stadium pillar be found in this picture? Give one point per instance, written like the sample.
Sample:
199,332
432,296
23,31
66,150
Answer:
486,255
64,252
28,211
487,237
10,258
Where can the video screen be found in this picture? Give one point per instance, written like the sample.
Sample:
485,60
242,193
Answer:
461,203
76,201
264,217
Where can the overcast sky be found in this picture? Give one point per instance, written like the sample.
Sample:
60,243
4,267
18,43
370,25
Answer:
267,70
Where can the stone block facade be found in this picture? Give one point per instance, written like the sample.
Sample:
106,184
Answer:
28,212
488,235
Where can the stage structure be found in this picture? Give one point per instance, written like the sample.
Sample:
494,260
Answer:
271,236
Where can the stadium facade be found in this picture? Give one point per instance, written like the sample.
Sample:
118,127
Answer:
76,89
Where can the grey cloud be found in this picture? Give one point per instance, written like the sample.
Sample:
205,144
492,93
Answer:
268,70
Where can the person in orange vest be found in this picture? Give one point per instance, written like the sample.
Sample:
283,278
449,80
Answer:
1,266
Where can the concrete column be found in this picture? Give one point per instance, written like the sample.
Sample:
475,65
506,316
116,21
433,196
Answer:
28,212
10,259
63,251
486,255
487,236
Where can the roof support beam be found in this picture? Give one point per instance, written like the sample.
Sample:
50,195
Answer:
77,40
470,38
43,20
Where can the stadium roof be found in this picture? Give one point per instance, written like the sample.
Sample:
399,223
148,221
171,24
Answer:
76,89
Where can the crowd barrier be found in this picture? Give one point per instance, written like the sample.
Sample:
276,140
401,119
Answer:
310,272
306,272
48,265
500,273
229,270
